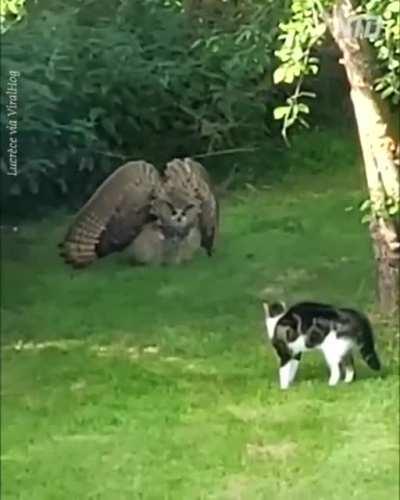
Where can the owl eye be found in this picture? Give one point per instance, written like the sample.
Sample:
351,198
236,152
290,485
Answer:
189,207
171,207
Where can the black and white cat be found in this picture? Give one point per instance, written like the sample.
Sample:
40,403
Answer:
310,325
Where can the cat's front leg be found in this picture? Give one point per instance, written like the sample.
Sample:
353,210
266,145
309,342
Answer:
335,373
334,368
287,370
285,374
333,354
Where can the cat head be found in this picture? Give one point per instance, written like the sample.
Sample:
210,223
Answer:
273,313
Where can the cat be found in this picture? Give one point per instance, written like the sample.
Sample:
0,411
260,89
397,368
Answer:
312,325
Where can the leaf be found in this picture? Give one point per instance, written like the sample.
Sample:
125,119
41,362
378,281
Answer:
365,205
303,108
393,210
394,7
279,75
297,53
280,112
292,72
366,219
320,30
14,6
387,92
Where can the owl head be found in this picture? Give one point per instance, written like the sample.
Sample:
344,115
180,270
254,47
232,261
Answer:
176,213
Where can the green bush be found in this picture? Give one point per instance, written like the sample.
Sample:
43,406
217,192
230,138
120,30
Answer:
103,82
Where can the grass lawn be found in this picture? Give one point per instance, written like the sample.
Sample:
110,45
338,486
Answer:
157,384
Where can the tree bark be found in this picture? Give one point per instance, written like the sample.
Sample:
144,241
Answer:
380,147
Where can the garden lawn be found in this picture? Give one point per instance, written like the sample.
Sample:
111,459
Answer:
158,384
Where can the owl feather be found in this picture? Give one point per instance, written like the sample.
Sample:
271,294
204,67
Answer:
136,195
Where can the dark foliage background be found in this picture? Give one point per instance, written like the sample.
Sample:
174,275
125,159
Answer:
102,82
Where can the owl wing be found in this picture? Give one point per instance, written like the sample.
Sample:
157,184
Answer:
113,216
191,178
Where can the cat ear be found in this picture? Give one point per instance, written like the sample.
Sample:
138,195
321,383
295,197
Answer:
266,309
274,309
283,304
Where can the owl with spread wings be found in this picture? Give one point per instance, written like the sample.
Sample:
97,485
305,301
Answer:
162,218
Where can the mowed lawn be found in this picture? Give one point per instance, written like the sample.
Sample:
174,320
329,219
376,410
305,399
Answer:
158,384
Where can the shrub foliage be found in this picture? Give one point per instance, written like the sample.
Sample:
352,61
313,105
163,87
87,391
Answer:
104,81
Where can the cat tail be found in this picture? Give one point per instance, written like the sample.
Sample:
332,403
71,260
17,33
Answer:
367,345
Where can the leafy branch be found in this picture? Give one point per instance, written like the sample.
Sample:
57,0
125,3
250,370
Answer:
306,29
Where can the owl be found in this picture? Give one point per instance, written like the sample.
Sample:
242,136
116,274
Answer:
162,218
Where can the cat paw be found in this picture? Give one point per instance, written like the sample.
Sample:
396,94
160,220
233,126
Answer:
349,376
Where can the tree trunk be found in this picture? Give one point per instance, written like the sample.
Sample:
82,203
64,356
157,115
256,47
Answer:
380,147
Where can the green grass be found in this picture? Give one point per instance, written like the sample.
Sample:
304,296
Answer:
156,384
